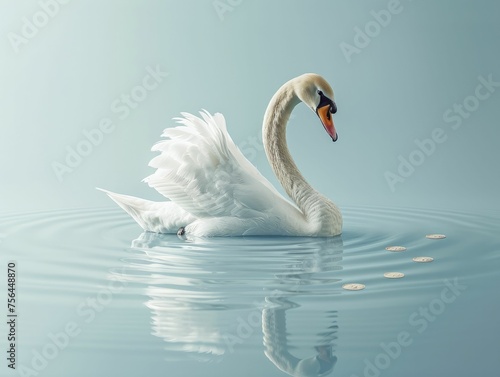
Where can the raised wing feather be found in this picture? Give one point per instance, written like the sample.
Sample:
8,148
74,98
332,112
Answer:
201,170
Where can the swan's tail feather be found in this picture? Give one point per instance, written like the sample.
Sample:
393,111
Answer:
135,207
159,217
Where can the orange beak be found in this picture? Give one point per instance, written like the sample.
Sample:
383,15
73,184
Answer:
326,117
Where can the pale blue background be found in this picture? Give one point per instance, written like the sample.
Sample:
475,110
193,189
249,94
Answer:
396,90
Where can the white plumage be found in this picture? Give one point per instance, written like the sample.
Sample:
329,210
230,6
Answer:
215,191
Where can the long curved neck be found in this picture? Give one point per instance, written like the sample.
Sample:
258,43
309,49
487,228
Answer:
274,137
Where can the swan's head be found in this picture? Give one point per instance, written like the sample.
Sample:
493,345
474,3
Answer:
317,94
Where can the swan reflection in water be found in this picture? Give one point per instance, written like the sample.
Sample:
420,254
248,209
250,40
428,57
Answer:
201,293
274,329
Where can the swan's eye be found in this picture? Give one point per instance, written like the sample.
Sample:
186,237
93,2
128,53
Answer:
333,108
320,92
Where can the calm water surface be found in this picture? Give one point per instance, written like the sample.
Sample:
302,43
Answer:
96,297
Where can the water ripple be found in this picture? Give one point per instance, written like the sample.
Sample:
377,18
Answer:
198,293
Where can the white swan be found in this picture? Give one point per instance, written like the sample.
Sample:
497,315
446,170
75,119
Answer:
215,191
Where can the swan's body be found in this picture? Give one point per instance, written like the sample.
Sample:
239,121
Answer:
215,191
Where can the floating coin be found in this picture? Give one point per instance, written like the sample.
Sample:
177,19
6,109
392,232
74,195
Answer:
353,287
395,248
435,236
394,275
423,259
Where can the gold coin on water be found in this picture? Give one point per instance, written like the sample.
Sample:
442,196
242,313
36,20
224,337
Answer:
423,259
353,287
395,248
394,275
435,236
